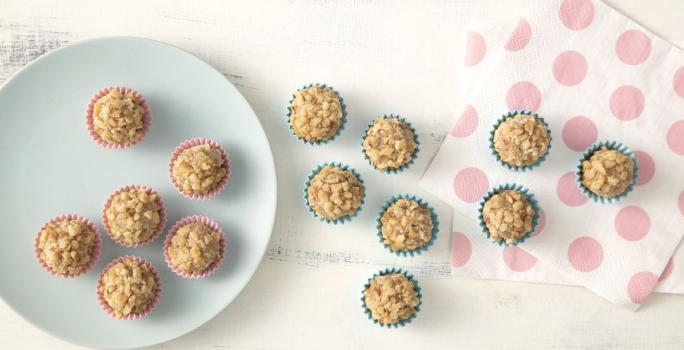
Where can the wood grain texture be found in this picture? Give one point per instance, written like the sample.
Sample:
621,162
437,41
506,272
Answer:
385,57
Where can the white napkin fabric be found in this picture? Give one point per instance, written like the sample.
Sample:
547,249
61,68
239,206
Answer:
593,75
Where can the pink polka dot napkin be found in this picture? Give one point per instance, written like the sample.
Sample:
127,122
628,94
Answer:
593,75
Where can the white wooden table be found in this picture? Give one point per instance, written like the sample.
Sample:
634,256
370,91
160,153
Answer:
384,56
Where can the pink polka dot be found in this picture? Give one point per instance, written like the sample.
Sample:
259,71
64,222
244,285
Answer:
579,133
470,185
646,167
627,103
679,82
570,68
577,14
523,96
466,123
667,271
540,223
567,191
520,37
633,47
476,49
518,260
675,137
461,249
641,285
632,223
585,254
681,203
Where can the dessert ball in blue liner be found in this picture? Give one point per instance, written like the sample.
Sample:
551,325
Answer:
349,207
530,199
409,295
541,157
610,171
431,216
402,134
317,129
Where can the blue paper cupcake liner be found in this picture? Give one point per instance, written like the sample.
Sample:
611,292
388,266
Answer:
342,219
612,145
433,215
493,151
401,323
415,139
343,120
530,199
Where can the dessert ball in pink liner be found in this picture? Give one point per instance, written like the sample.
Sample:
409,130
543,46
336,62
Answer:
129,288
194,247
118,117
134,216
199,168
68,245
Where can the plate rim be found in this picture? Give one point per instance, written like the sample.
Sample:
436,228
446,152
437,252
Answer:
271,165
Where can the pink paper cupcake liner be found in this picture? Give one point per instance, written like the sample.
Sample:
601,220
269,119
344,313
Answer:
196,142
146,118
132,316
154,235
97,249
213,266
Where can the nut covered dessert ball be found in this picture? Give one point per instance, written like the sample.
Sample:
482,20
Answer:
391,298
508,216
199,169
389,143
128,287
334,192
118,117
607,173
67,246
194,247
316,113
521,140
406,225
133,215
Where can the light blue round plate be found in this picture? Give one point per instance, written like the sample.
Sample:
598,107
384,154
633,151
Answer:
51,166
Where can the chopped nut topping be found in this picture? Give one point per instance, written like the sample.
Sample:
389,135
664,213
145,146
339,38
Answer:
521,140
134,215
194,247
389,143
316,113
118,117
199,169
67,246
607,173
334,192
508,216
391,298
406,225
128,287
